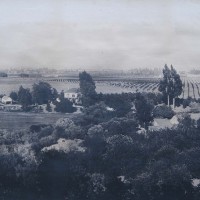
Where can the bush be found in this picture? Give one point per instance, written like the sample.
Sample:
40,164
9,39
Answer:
48,107
37,128
186,122
186,102
14,96
42,93
65,106
163,112
198,123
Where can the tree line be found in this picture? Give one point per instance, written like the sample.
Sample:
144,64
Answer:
40,94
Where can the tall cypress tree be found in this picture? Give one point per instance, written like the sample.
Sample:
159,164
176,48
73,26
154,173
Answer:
171,84
164,85
177,85
87,88
144,110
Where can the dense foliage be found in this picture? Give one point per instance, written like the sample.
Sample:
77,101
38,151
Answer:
42,93
163,111
171,85
102,153
64,105
14,96
144,110
24,97
87,89
3,74
105,159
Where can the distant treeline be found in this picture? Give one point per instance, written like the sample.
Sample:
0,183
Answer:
146,71
195,71
25,75
3,74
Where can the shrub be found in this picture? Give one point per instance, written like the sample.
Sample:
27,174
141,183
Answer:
48,107
198,123
65,106
163,112
186,102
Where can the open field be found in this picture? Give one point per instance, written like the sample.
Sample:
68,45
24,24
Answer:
105,86
191,85
19,120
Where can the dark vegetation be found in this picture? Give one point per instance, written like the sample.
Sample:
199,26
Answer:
118,162
3,74
43,93
171,85
64,105
40,94
107,155
163,112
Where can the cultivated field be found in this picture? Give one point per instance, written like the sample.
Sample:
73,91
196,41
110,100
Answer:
191,85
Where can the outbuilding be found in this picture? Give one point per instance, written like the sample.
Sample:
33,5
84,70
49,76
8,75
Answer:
6,100
160,124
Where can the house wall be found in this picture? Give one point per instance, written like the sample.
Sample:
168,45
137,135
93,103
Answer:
71,95
6,101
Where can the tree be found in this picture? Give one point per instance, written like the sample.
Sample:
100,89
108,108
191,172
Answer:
24,97
163,111
43,93
170,85
164,83
14,96
186,122
48,107
96,114
143,110
198,123
177,85
119,102
64,106
3,74
87,88
119,147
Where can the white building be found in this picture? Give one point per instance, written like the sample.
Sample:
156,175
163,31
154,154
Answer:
6,100
72,94
160,124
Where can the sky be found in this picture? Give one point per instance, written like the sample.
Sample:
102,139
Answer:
100,34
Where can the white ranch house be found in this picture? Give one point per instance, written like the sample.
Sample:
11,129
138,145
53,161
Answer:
72,94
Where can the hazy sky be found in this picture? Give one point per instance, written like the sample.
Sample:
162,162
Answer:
100,34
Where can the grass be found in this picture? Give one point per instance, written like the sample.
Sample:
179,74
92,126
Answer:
19,120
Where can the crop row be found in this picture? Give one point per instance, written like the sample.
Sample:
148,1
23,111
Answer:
191,87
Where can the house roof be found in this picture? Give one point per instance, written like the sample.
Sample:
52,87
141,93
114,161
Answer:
160,124
164,123
195,116
6,98
174,119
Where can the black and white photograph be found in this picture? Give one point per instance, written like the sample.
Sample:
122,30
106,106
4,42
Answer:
99,100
